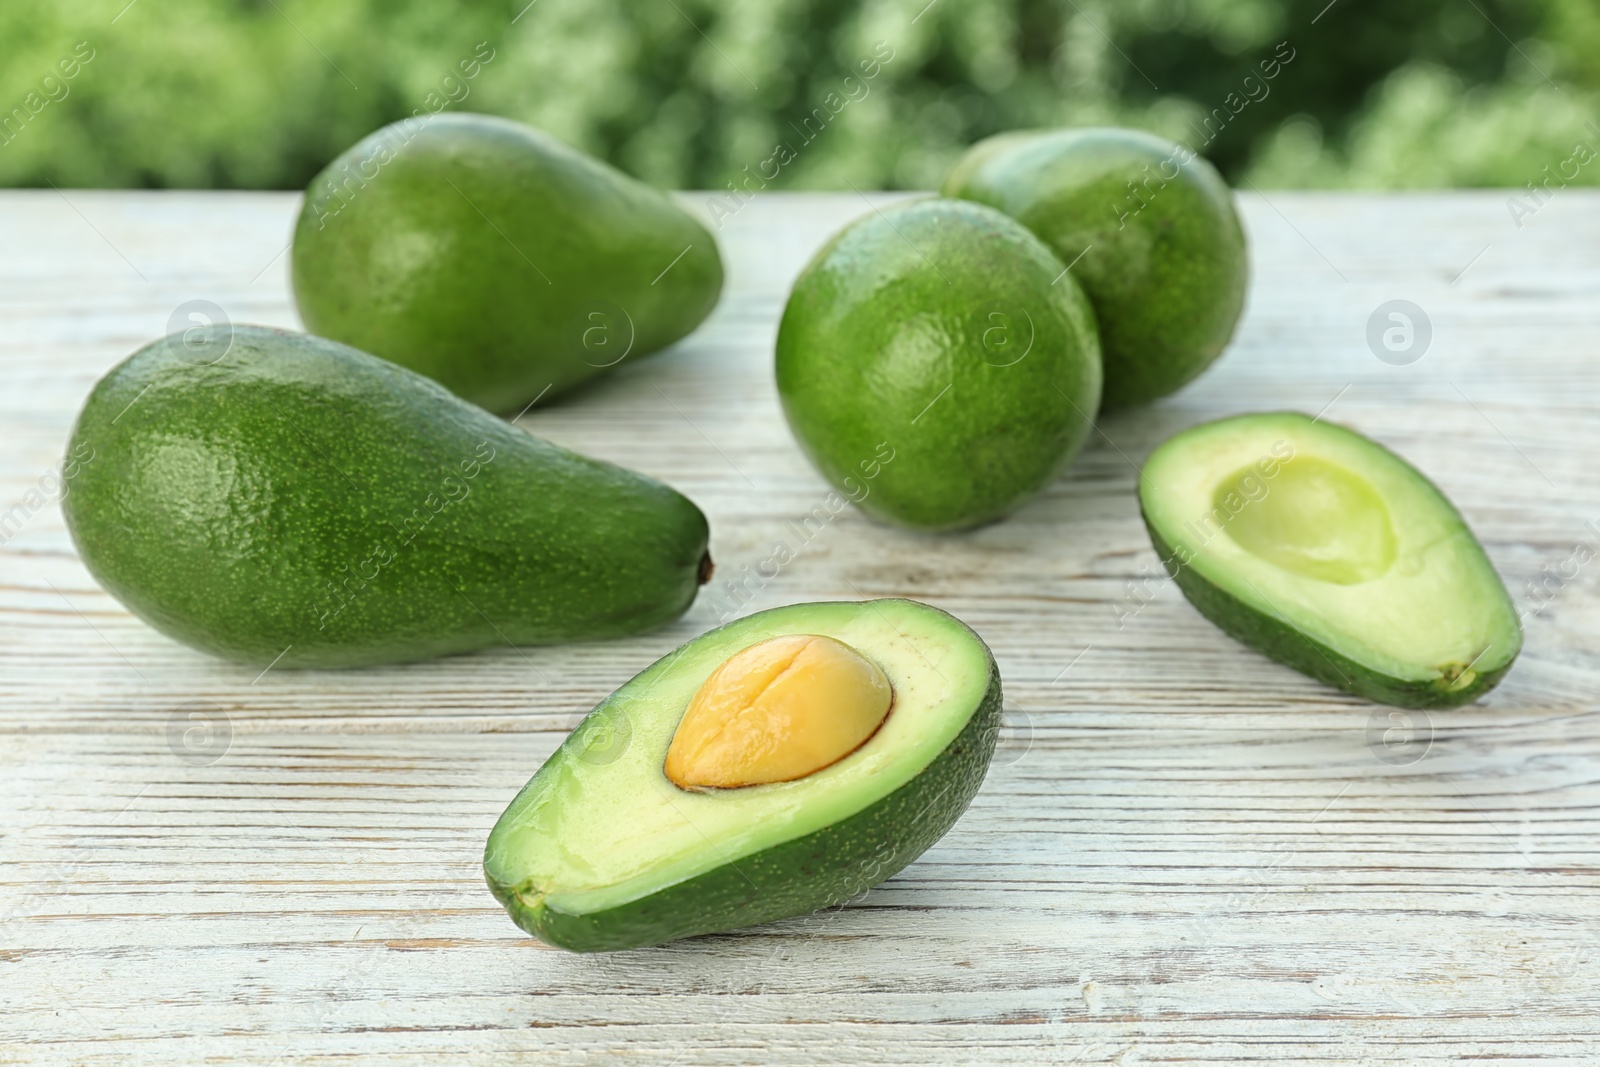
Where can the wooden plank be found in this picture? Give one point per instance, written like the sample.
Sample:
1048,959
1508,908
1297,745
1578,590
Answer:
1184,853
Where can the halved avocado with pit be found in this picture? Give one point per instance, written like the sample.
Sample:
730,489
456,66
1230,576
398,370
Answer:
1327,552
815,749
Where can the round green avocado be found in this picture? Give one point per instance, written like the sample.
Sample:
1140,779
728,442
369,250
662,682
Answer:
1148,228
938,364
496,260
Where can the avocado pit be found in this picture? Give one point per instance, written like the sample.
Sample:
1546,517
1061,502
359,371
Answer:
779,710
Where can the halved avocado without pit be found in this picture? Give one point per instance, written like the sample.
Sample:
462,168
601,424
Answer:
1327,552
612,845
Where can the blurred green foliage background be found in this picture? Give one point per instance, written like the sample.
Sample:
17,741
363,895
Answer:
687,93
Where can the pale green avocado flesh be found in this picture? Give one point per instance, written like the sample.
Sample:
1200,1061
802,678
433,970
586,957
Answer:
1328,552
601,851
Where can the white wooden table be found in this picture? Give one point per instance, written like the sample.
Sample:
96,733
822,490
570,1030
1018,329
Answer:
1183,854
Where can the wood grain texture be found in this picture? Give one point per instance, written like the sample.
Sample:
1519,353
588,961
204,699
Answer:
1183,854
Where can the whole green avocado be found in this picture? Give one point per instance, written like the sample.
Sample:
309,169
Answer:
938,364
272,497
1150,231
495,259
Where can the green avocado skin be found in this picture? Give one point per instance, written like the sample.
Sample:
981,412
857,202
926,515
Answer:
937,364
300,499
1163,260
819,870
495,259
1278,640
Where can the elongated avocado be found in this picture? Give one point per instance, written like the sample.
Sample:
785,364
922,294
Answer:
1328,552
1147,226
605,849
272,497
496,259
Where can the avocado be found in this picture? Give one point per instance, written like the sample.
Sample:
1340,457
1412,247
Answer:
939,349
1327,552
495,259
1148,228
288,500
611,847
